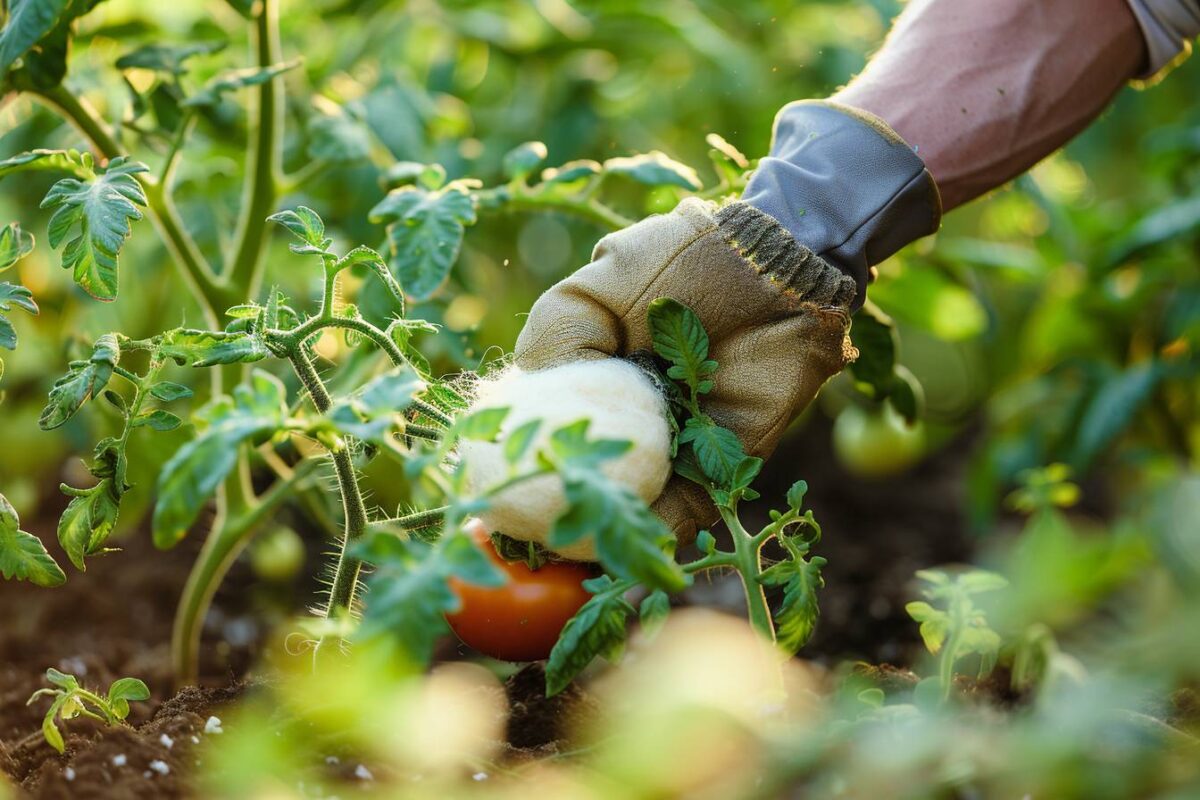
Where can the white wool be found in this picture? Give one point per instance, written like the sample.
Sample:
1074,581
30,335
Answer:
620,401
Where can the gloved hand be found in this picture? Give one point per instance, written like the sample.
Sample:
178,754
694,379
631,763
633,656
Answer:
775,298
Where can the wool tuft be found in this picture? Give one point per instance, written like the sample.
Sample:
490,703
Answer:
620,401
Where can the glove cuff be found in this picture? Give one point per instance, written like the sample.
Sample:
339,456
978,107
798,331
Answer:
846,185
775,254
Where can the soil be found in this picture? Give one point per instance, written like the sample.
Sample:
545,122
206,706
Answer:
115,620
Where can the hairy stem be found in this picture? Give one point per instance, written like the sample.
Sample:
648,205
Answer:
264,151
345,579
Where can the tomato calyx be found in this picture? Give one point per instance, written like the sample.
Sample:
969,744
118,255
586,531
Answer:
531,554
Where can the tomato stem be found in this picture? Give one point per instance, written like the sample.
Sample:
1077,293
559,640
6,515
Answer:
747,559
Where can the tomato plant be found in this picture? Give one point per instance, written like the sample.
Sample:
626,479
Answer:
521,620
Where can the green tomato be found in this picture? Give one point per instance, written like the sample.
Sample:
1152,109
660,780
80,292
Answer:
277,555
875,443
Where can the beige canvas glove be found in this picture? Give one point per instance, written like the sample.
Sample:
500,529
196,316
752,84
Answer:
776,313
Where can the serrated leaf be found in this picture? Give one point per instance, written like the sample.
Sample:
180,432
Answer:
13,295
22,555
371,413
629,539
88,520
28,22
236,79
523,159
15,244
189,478
85,380
679,337
796,617
96,214
158,420
79,165
425,232
655,169
596,629
303,223
168,392
718,450
209,348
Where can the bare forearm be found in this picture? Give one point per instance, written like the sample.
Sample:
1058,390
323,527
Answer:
984,89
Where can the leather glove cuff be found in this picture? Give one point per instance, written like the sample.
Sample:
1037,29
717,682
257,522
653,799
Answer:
846,185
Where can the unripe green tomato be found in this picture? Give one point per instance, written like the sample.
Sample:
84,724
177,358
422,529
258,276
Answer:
277,555
874,443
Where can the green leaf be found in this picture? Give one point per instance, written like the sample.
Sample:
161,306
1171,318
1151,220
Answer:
22,555
62,680
874,335
371,413
50,731
373,261
629,539
158,420
307,226
523,159
168,392
654,611
166,57
28,22
78,164
482,425
655,169
596,629
923,296
236,79
13,295
571,445
85,380
96,214
243,7
402,173
717,449
1112,409
88,520
797,615
935,624
190,477
519,440
425,232
1170,223
122,691
15,244
209,348
342,137
409,594
795,495
571,171
678,336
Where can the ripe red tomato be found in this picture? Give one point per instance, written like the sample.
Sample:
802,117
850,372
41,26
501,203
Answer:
521,620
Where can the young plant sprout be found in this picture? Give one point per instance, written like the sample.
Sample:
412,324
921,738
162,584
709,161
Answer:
72,700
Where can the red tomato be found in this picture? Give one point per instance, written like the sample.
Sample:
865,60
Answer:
521,620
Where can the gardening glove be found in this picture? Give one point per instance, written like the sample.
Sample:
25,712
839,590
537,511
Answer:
772,278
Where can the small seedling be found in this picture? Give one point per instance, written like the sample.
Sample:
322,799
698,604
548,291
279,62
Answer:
956,628
71,700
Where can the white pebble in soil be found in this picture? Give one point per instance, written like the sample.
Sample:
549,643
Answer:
119,760
363,774
161,767
69,773
213,725
166,741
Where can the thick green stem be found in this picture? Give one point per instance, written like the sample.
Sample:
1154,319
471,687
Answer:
589,209
229,535
263,160
345,579
748,561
